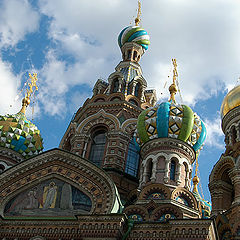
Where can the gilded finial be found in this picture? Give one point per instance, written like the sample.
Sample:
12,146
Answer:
30,91
138,18
173,87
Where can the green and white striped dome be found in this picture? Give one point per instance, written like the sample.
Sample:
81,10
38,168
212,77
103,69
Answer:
20,135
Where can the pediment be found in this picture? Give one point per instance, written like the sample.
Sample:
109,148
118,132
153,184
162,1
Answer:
56,183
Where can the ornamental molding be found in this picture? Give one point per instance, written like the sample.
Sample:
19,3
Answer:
231,117
166,144
223,163
9,153
101,117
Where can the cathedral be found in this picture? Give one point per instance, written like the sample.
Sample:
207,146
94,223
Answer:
124,167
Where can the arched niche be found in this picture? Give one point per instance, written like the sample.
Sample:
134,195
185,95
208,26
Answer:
48,198
51,170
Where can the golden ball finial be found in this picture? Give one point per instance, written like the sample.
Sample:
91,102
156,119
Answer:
196,180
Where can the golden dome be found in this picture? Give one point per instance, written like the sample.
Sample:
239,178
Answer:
231,101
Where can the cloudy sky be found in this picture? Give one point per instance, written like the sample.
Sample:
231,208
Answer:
70,44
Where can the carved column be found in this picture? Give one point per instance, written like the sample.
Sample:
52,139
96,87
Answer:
133,88
178,173
167,169
154,170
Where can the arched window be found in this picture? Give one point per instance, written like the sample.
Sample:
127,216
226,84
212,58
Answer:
137,87
135,55
172,170
98,146
115,86
129,53
132,159
149,170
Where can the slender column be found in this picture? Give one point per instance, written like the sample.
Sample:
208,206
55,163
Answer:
238,133
167,169
178,173
133,88
154,170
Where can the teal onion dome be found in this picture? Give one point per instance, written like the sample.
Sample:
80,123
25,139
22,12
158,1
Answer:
20,135
171,120
134,34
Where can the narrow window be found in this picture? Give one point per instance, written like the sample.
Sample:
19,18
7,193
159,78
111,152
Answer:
172,170
98,147
137,87
115,86
132,159
129,53
135,55
149,170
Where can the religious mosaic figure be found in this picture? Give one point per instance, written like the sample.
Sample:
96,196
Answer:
49,196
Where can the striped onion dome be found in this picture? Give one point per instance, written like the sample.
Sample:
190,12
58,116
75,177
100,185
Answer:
134,34
170,120
20,135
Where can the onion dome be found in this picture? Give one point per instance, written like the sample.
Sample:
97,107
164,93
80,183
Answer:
134,34
231,100
171,120
206,206
18,133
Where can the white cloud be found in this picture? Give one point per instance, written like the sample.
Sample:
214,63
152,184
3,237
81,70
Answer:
204,40
57,78
17,18
8,87
215,136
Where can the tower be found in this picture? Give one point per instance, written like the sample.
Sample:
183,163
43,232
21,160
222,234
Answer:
224,181
102,129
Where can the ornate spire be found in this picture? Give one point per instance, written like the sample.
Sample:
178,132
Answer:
173,87
30,92
138,18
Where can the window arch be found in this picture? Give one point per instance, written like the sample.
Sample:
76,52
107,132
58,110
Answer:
98,146
132,159
172,170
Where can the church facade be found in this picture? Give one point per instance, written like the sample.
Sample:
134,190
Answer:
124,166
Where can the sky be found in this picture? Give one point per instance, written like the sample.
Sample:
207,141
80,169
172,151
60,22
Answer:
71,44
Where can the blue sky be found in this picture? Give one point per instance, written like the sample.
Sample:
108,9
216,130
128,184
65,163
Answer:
70,44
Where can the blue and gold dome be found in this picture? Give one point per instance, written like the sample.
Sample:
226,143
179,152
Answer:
134,34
